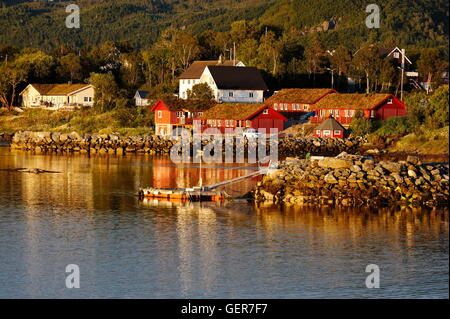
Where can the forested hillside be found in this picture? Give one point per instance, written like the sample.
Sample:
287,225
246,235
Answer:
421,23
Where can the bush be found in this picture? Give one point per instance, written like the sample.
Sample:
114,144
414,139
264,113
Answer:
393,126
360,125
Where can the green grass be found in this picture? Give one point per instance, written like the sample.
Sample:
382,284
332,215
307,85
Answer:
427,142
125,121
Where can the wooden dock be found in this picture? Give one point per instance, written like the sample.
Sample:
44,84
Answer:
199,193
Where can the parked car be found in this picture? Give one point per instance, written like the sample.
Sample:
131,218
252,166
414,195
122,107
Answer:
252,133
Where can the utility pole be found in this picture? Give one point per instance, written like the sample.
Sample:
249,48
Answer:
403,73
234,53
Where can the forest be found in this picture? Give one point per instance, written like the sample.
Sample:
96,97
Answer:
130,44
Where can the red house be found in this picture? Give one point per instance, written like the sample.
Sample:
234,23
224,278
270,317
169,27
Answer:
343,107
329,128
297,100
174,114
257,116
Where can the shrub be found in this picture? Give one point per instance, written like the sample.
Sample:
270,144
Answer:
360,125
393,126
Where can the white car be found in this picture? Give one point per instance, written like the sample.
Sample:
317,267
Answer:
252,133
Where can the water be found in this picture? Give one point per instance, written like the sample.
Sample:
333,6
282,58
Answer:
89,215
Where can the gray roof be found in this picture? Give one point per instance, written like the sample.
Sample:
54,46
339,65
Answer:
142,94
237,78
330,124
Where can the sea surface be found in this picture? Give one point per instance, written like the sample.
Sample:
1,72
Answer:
87,213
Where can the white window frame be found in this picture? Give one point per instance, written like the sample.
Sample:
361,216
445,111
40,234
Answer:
337,132
266,111
250,94
326,132
160,114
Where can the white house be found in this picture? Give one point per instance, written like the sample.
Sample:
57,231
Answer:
57,95
140,98
235,84
192,75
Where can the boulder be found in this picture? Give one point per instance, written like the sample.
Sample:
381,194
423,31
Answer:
335,163
391,166
330,179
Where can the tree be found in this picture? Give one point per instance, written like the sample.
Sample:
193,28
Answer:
430,64
314,56
360,126
200,91
70,64
366,61
437,115
341,61
269,53
106,90
35,63
11,77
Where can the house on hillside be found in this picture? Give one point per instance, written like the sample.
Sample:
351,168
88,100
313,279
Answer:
242,115
330,128
343,107
396,55
172,115
57,95
192,75
140,98
232,84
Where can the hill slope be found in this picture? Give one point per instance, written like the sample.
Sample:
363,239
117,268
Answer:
421,23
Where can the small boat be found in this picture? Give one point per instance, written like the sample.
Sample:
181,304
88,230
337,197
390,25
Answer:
195,194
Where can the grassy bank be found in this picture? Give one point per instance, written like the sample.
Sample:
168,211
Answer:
425,142
126,121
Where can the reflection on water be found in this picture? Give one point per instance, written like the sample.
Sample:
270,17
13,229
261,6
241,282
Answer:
89,215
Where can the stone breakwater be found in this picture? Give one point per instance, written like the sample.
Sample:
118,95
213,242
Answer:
5,138
115,144
350,180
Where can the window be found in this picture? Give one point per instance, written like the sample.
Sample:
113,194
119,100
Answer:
200,113
275,106
326,132
86,99
337,132
396,55
318,132
321,113
372,113
219,122
305,107
347,113
160,114
247,123
266,111
250,94
230,94
336,113
179,114
226,123
352,113
390,101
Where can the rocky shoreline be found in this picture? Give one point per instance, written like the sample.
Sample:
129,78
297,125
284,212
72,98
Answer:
351,180
152,144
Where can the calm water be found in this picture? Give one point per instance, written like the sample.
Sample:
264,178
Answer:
89,215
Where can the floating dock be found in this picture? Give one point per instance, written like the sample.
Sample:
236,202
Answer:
182,194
